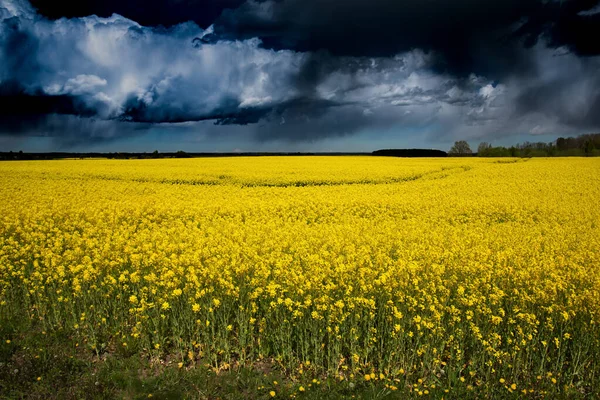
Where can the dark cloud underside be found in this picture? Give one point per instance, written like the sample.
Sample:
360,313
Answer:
147,13
485,37
21,110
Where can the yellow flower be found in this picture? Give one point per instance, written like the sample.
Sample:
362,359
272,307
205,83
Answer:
361,252
272,393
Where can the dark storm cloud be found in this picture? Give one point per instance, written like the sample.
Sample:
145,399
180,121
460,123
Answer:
34,113
19,52
469,36
22,110
312,122
144,12
574,24
137,110
492,58
294,71
568,91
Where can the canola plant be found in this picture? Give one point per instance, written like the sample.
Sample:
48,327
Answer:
425,273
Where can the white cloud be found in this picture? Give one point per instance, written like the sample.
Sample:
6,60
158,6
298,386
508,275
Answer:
115,59
592,11
83,84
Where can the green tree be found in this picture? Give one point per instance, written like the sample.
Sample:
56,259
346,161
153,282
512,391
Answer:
483,149
460,148
588,147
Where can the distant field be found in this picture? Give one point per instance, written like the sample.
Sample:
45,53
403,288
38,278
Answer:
443,277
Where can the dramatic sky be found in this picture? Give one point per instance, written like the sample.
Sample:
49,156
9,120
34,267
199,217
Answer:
295,75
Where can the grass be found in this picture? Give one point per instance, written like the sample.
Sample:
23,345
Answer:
35,364
51,365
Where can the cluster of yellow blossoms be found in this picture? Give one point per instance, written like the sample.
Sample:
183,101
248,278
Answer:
455,271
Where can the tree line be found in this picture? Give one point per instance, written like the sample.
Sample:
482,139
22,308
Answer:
410,153
583,145
20,155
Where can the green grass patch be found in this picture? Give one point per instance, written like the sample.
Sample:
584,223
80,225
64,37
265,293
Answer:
35,364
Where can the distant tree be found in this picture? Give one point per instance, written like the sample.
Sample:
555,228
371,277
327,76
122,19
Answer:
460,148
483,149
588,147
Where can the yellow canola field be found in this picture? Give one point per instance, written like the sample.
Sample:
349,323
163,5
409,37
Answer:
473,272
